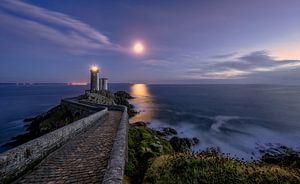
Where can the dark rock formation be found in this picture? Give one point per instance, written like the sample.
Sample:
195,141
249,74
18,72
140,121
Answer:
195,140
101,97
28,119
183,144
282,156
106,93
166,131
121,98
108,98
139,123
161,133
123,94
169,131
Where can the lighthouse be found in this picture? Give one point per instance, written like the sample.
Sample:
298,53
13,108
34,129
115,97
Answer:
94,78
97,83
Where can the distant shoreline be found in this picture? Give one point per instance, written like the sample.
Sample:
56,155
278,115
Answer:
156,84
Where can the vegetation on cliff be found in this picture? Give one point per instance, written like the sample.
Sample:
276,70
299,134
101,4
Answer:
53,119
282,156
144,145
153,159
213,167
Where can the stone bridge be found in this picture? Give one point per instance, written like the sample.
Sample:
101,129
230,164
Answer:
90,150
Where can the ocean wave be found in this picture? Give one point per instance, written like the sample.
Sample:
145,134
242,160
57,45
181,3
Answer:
220,121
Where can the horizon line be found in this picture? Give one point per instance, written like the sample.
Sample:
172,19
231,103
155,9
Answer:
68,83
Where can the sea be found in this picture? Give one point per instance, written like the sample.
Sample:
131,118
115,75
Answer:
239,120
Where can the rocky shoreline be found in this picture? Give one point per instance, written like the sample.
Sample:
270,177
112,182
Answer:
159,156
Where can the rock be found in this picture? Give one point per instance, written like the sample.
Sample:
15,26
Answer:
131,112
181,144
170,131
28,119
121,98
160,133
195,140
99,99
106,93
166,131
282,156
156,147
146,149
139,123
123,94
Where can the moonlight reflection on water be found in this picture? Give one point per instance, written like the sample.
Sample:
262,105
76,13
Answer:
143,102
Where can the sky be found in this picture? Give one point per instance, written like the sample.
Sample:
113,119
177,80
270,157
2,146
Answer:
194,41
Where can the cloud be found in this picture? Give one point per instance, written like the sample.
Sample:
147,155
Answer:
222,56
223,74
59,28
257,62
157,62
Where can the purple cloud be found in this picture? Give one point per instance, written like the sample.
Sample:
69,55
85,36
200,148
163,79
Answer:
254,62
223,56
60,29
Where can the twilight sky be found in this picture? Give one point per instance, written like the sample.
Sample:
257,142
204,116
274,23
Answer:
200,41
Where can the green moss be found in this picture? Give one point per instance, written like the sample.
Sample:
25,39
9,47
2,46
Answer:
58,117
209,167
143,146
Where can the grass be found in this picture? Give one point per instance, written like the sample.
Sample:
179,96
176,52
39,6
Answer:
212,167
147,164
144,145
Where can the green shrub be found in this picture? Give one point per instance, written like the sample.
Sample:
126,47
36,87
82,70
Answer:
211,167
143,145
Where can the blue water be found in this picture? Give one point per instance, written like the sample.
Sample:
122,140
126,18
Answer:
238,119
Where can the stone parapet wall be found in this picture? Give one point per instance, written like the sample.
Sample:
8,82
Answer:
116,166
18,160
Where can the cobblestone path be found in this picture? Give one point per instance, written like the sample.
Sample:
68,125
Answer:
83,159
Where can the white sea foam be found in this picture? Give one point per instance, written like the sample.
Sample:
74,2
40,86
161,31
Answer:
221,121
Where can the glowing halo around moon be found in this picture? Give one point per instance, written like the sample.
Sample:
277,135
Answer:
138,48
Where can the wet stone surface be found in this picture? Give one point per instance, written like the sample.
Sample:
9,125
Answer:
82,159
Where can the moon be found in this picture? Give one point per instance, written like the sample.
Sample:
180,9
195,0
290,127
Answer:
138,48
